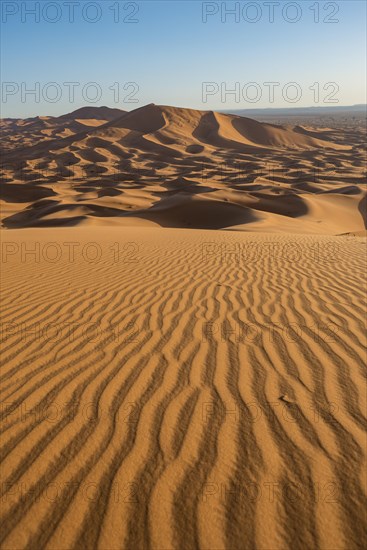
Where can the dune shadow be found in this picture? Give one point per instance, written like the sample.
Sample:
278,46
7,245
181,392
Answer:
185,212
19,193
290,205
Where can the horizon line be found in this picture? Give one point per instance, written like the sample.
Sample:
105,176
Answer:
363,106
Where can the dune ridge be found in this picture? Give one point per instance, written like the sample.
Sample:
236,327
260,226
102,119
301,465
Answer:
168,166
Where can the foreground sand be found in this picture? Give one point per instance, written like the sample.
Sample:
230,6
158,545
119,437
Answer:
187,389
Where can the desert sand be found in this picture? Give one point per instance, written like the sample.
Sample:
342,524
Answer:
168,386
171,167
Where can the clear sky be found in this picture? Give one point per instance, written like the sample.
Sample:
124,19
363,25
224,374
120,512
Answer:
165,51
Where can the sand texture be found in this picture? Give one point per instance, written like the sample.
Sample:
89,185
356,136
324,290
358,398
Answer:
181,389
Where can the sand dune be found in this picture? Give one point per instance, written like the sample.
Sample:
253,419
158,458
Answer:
181,168
168,387
25,133
188,389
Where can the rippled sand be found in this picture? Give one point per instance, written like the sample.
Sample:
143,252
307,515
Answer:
181,389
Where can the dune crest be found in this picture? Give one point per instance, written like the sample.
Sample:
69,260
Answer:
182,168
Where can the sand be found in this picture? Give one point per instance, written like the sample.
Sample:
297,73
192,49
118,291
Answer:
183,389
184,366
171,167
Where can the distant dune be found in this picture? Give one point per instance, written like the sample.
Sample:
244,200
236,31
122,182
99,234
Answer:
321,110
168,166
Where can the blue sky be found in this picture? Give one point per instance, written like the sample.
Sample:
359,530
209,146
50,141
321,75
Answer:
169,52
